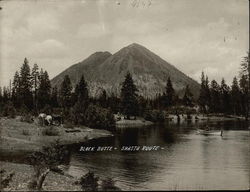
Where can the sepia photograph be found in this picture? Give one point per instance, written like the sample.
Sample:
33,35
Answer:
124,95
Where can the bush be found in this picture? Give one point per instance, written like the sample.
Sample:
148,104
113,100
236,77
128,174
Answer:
47,109
181,110
24,110
26,132
97,117
89,182
154,116
44,161
108,184
27,118
5,180
93,116
50,131
9,110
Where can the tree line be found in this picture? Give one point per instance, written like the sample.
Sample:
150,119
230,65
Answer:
222,98
31,92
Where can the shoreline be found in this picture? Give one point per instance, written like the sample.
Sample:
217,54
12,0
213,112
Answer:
133,123
14,140
17,136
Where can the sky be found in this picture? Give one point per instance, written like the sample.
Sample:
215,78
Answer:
193,35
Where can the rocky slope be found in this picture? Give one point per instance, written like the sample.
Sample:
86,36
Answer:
103,70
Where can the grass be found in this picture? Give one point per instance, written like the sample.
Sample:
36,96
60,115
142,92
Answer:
26,132
50,131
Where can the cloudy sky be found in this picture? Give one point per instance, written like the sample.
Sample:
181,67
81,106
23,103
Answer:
193,35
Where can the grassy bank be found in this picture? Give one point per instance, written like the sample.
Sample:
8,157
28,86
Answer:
133,123
19,136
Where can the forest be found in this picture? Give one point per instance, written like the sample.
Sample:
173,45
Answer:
30,93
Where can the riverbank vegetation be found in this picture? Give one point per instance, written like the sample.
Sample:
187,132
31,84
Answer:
31,93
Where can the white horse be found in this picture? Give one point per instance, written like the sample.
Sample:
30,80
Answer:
48,119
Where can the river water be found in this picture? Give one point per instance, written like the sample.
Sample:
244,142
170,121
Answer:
185,160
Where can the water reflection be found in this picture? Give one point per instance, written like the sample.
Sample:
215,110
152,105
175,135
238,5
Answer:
187,160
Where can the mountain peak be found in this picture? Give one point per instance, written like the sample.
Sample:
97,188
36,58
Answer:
105,71
135,45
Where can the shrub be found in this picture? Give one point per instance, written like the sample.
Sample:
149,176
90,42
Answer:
89,182
108,184
47,109
24,110
5,180
27,118
154,116
97,117
68,124
26,132
50,131
9,110
44,161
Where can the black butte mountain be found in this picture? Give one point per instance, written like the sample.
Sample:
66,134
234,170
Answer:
102,70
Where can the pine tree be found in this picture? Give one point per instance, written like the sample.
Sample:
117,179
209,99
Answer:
81,101
1,96
215,97
114,103
34,81
6,95
244,96
25,85
81,90
207,92
44,90
235,96
16,90
65,93
129,104
54,97
188,97
245,84
225,97
169,95
103,99
202,96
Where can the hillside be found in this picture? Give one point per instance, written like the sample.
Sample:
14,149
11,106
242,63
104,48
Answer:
103,70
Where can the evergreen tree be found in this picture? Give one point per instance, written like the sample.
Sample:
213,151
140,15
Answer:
207,93
34,81
81,98
44,90
215,97
54,97
16,90
81,90
245,85
244,96
235,96
65,93
225,97
1,95
202,96
114,103
188,97
129,104
103,99
142,102
26,85
6,95
169,95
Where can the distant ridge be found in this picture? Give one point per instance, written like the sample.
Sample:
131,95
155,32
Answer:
103,70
